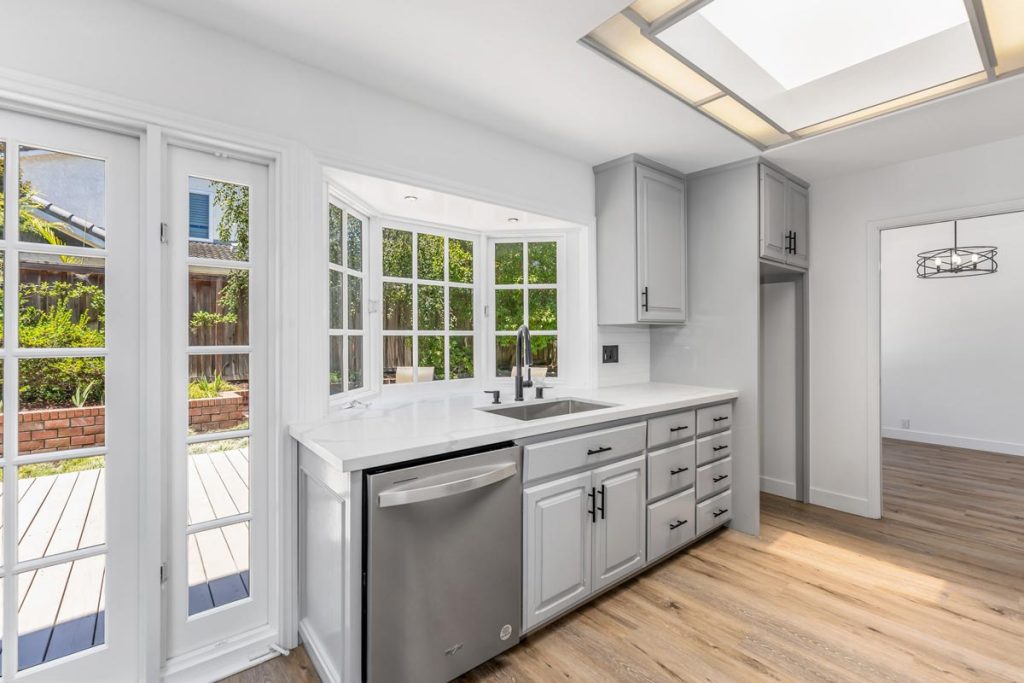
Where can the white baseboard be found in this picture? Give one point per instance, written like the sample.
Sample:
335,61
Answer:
315,651
841,502
223,659
778,487
1004,447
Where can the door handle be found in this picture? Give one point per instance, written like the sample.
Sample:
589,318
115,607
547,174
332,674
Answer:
719,478
678,429
445,485
678,471
676,524
601,508
720,512
595,451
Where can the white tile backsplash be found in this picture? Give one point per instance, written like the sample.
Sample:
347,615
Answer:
634,355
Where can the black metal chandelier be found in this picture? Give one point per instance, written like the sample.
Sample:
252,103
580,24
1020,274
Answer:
957,261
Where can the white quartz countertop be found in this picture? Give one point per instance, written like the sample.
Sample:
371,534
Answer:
395,430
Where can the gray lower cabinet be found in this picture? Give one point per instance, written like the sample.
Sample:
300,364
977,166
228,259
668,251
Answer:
670,524
581,533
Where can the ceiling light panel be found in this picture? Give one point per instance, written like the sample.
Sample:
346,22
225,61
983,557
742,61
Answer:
651,10
740,118
1005,19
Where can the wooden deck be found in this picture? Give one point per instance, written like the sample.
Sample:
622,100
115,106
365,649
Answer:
61,608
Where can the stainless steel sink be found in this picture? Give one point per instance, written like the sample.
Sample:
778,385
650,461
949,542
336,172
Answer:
538,410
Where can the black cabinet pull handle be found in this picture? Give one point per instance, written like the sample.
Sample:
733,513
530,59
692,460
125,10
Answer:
794,243
595,451
718,448
590,508
678,429
679,470
719,478
601,508
720,512
676,524
719,419
644,304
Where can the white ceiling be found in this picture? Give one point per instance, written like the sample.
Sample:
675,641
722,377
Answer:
516,67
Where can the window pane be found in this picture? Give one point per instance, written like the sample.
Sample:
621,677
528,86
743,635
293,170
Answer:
61,404
504,355
61,611
218,306
431,361
508,309
431,307
355,302
545,352
397,250
397,306
543,309
460,260
335,300
3,167
460,301
218,567
62,301
218,479
398,360
61,506
430,257
62,199
543,262
337,346
2,260
218,392
460,358
335,216
228,221
355,362
508,263
355,243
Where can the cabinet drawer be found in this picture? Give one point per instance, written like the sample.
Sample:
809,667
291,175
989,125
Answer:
714,478
714,512
670,470
669,524
561,455
670,428
713,448
714,418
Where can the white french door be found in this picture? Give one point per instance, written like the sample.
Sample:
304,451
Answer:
71,396
216,214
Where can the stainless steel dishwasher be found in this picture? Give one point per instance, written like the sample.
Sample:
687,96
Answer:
442,565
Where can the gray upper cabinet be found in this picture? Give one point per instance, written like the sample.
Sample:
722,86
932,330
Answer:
641,243
784,218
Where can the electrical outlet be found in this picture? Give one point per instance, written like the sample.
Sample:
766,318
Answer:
610,354
905,423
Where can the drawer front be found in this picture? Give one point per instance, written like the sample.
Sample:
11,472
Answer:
670,470
561,455
714,418
670,524
669,429
714,478
714,512
714,448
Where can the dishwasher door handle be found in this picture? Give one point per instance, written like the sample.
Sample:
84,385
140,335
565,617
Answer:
442,486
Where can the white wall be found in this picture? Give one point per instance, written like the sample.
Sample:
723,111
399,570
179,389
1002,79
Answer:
841,209
951,354
634,364
779,389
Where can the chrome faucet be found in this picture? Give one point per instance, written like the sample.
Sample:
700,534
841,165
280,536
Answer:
524,354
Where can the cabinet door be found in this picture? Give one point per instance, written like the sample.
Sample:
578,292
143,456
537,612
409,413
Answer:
619,536
797,211
774,221
557,531
661,247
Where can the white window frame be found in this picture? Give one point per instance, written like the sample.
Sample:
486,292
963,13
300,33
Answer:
346,394
491,335
417,228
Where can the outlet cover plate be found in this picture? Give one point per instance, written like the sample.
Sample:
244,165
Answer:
610,354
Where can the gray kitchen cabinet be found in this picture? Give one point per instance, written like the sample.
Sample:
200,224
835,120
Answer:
619,536
557,540
641,242
784,218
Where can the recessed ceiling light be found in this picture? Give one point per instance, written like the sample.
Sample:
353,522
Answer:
411,197
513,219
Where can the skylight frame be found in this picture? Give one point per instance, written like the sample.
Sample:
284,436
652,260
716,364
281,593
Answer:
643,13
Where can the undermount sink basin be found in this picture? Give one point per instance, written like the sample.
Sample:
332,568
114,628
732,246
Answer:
538,410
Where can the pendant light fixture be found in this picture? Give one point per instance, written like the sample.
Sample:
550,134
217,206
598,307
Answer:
957,261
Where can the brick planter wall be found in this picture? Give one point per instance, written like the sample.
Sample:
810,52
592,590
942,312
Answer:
61,429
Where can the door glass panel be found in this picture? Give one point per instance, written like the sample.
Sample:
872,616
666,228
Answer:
61,404
62,199
61,610
218,392
63,304
2,259
61,506
218,567
218,307
218,479
227,218
3,175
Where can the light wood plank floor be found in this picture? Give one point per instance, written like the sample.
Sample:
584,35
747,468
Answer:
933,591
